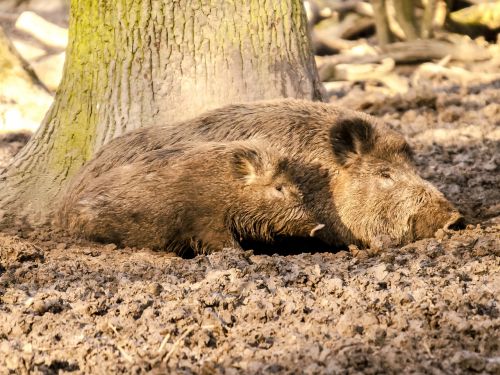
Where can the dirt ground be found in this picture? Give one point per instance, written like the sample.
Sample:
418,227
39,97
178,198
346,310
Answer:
429,307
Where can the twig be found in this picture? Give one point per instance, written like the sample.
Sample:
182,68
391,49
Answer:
427,349
113,328
163,343
125,355
122,351
44,349
177,344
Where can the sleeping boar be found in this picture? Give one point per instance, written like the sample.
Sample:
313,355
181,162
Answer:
371,189
205,196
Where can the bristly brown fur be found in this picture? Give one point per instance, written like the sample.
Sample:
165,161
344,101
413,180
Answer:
370,189
199,195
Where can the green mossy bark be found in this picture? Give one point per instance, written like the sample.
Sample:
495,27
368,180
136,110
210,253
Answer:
134,63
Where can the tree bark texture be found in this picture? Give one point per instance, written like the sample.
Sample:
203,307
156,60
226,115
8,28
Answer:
134,63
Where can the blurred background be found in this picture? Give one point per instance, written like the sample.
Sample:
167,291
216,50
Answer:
33,38
380,49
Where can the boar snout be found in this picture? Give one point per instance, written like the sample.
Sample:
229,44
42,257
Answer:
437,215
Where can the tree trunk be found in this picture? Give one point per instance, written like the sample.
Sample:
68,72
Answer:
134,63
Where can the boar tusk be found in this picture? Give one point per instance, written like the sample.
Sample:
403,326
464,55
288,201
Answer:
316,228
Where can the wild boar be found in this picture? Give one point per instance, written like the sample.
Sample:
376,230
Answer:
205,196
371,189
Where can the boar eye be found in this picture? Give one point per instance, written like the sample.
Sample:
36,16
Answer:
385,174
279,191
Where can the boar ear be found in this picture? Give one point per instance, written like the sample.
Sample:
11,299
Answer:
246,164
349,137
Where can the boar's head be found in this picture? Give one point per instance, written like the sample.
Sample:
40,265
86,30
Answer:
377,191
270,202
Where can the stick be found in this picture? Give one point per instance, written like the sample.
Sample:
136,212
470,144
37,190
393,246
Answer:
177,344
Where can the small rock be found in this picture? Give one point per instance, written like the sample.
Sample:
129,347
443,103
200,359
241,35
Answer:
61,246
39,307
379,272
28,302
155,289
53,305
110,247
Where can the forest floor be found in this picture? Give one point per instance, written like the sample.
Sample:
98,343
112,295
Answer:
428,307
432,306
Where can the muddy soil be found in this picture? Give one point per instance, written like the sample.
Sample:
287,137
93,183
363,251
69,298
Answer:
429,307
